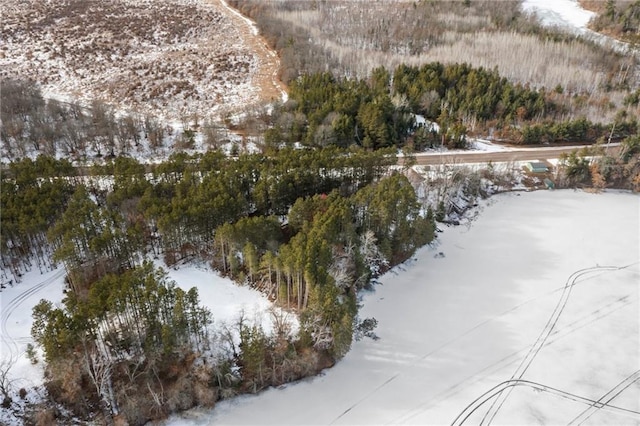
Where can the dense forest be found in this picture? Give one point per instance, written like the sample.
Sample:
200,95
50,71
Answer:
381,111
308,228
347,40
378,112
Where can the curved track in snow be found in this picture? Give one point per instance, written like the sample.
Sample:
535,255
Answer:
512,358
9,341
549,335
510,384
544,335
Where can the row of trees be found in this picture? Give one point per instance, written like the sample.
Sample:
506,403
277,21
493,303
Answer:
576,131
31,124
104,221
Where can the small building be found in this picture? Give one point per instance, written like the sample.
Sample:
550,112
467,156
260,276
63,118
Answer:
537,167
549,183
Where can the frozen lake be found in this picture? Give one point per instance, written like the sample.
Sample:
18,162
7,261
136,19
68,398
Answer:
502,304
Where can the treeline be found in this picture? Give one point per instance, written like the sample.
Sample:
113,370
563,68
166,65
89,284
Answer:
31,125
381,111
171,209
576,131
597,167
619,18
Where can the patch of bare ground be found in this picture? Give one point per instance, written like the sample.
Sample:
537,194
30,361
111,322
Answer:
266,79
170,58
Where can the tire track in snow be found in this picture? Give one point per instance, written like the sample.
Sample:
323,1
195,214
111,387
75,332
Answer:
607,398
594,316
613,306
544,335
502,387
10,342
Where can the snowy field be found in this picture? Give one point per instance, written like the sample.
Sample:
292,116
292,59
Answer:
538,296
560,13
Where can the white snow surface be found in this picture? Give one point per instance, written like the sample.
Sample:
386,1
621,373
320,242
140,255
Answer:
570,16
486,146
225,299
561,13
464,314
17,302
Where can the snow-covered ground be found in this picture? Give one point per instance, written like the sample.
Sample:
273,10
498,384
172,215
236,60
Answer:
15,322
541,290
174,60
226,301
568,15
560,13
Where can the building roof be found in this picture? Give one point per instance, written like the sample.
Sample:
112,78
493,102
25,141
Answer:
536,166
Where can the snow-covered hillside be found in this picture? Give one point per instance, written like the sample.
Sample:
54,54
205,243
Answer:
569,16
174,59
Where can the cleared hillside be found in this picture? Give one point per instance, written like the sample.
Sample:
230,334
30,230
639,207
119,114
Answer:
174,59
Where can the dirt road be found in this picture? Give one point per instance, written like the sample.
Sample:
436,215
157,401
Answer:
266,77
524,154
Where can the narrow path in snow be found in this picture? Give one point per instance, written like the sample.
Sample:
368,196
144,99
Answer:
605,399
11,342
510,384
599,313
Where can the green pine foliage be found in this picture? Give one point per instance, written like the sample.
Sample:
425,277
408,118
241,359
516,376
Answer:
125,340
136,313
34,193
379,112
303,226
620,18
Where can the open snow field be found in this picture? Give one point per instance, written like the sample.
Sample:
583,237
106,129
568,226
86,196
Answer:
15,322
540,292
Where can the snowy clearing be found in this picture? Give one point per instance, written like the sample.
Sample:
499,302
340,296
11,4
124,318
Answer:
448,334
561,13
